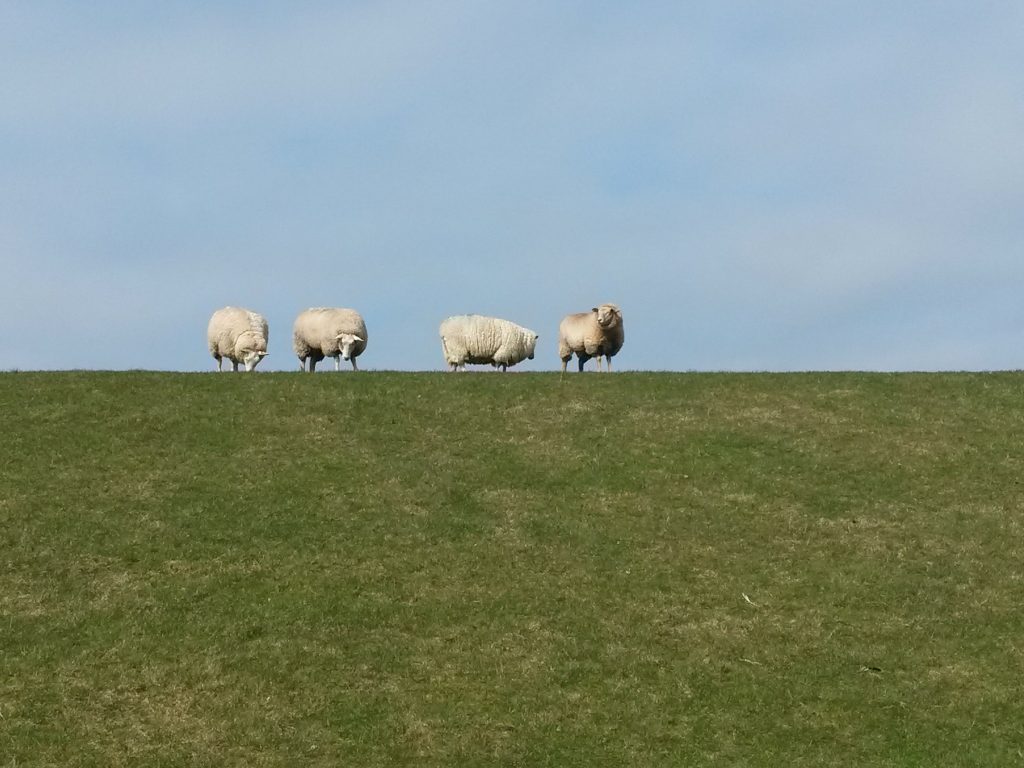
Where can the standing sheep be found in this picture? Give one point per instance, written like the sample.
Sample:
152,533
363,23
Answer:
485,340
591,334
238,334
328,332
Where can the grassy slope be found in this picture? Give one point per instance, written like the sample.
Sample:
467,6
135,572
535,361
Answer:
424,569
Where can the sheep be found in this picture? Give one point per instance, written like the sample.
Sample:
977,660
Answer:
238,334
485,340
591,334
322,332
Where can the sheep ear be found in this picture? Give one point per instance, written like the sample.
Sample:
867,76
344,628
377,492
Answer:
357,338
593,309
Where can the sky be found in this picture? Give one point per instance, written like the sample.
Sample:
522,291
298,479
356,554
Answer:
778,186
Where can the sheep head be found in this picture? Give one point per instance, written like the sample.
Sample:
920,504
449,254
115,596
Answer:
346,343
250,349
531,345
608,315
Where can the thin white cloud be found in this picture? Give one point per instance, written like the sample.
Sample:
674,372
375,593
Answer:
204,66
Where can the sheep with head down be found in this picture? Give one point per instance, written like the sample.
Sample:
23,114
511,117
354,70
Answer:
238,334
591,334
322,332
485,340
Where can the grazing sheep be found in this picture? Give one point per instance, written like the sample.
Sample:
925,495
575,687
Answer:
485,340
328,332
591,334
239,335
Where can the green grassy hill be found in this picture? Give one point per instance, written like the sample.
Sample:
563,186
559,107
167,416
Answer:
385,569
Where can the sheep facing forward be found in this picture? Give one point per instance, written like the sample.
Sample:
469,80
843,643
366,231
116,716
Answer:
485,340
591,334
238,334
322,332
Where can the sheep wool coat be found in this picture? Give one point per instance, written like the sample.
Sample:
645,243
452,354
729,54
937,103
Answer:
591,335
317,333
485,340
238,334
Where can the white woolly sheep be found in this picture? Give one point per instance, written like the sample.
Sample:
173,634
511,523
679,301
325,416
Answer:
485,340
591,334
238,334
328,332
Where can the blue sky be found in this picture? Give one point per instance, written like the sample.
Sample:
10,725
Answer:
759,186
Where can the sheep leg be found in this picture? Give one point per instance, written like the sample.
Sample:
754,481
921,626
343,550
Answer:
609,363
353,361
220,361
582,359
337,362
598,363
312,365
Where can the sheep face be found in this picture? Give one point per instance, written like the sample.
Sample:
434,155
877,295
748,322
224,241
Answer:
252,358
607,315
250,349
531,345
346,344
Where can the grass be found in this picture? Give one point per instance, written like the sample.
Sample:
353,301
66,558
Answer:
481,570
